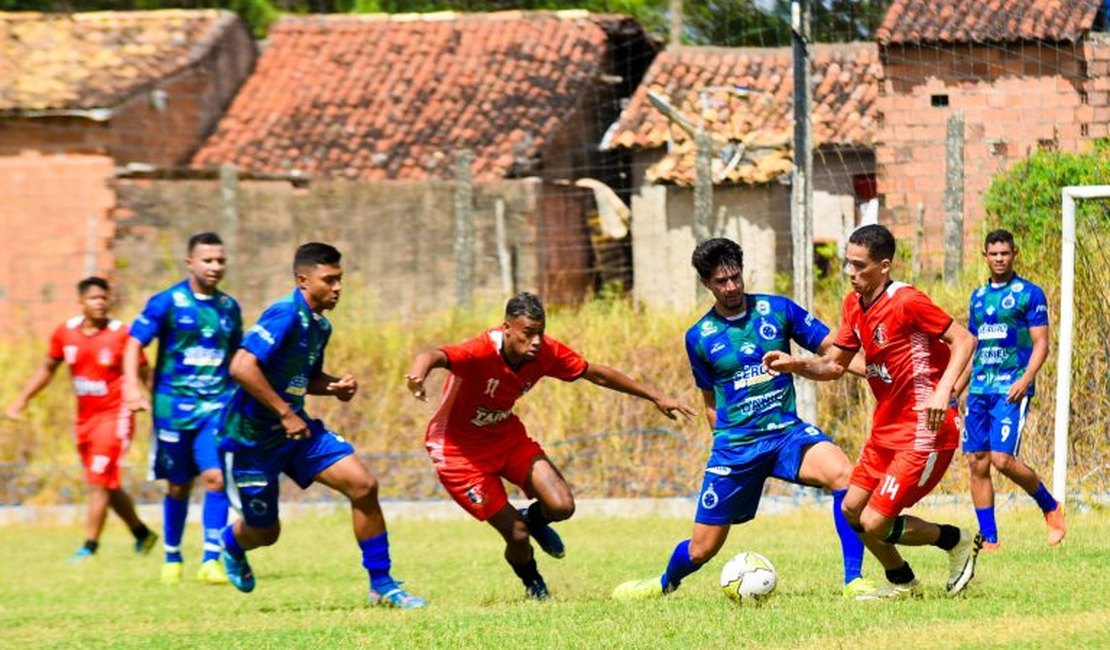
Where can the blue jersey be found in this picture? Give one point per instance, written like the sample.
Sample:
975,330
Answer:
1000,316
288,341
726,356
196,336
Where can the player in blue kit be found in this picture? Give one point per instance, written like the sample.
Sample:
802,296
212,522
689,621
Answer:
197,327
267,431
756,432
1009,315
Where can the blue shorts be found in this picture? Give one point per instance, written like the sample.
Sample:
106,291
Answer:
179,455
251,474
993,424
734,477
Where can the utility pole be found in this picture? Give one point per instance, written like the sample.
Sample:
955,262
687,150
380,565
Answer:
801,207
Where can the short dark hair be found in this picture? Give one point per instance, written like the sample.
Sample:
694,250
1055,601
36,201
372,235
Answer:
314,253
713,253
204,239
525,304
1000,236
878,241
90,282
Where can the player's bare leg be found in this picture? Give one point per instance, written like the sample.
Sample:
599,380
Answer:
554,502
97,512
825,465
120,502
518,550
1017,471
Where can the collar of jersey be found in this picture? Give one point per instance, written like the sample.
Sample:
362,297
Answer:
991,285
885,291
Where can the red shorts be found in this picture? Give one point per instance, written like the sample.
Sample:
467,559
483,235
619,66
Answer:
898,478
472,473
102,440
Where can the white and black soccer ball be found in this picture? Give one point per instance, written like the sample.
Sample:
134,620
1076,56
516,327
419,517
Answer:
748,578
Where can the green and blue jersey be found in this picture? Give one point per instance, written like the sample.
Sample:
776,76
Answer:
1000,316
289,342
197,335
726,356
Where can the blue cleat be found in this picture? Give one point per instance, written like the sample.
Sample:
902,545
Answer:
238,572
537,590
396,597
81,555
546,537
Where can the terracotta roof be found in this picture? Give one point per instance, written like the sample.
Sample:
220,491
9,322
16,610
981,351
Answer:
744,96
96,60
986,21
393,97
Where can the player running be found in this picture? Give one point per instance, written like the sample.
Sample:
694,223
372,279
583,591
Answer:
756,432
267,431
197,327
474,439
915,353
1009,315
92,346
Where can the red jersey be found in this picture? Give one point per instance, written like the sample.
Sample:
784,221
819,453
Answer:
96,363
900,336
479,395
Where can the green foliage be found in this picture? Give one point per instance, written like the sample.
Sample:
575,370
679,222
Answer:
311,590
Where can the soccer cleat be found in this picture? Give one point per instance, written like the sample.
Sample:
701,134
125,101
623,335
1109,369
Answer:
145,545
211,572
172,572
396,597
545,536
537,590
891,591
238,572
991,547
858,587
961,561
639,589
82,554
1056,526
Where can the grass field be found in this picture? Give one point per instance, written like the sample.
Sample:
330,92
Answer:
311,591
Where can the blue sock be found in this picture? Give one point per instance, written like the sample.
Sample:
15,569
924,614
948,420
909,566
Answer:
214,516
174,512
679,566
375,559
987,524
230,544
851,546
1044,499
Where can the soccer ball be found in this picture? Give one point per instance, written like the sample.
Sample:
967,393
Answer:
748,578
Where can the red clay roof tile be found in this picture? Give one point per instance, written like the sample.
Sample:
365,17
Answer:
997,21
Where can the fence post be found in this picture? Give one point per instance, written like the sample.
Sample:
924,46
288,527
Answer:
504,259
703,186
229,201
464,229
954,199
918,242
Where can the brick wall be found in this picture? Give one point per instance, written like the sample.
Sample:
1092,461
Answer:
56,231
1015,98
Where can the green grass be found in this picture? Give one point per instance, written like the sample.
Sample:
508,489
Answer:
311,591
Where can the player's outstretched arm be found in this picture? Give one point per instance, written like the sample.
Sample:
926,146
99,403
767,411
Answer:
422,364
39,380
857,366
248,374
827,367
342,388
616,380
132,382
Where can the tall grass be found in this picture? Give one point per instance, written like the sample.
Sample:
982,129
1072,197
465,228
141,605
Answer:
568,418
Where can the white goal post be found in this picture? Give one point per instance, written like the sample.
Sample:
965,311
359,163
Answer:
1067,326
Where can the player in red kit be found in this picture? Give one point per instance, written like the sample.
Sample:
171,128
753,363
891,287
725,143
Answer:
915,353
92,346
475,440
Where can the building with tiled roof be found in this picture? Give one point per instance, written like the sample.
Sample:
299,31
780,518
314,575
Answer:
379,97
1022,75
745,96
82,95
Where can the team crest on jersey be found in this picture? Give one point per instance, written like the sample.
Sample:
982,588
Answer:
709,498
708,327
104,357
1008,302
1017,287
878,335
768,331
180,299
475,495
763,307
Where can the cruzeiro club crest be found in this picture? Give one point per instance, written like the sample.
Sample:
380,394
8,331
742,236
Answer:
1008,302
709,498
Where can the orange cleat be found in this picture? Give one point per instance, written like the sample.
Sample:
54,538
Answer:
1056,526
